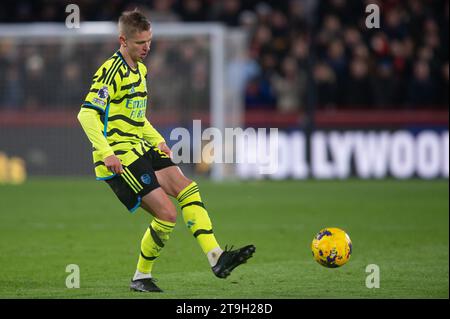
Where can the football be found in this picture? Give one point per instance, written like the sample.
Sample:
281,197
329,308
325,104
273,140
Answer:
331,247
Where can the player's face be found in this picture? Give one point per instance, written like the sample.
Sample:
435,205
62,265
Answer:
139,45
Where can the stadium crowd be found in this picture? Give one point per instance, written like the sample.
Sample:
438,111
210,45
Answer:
299,51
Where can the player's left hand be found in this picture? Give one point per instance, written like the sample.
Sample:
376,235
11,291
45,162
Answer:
166,149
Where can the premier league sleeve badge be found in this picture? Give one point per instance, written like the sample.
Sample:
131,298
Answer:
103,92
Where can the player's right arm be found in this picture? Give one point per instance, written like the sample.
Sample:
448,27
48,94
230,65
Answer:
92,126
104,86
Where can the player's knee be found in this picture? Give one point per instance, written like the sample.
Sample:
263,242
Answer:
172,217
183,185
169,215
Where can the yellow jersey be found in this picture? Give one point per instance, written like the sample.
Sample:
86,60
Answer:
119,95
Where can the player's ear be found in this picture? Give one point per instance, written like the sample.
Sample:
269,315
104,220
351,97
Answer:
122,40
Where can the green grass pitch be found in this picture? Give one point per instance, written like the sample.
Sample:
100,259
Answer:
401,226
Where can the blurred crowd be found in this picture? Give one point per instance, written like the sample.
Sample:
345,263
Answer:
57,74
299,53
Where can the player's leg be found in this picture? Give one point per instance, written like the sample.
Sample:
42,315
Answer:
197,219
157,234
194,212
139,187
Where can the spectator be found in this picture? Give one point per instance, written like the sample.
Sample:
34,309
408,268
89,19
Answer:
352,37
331,30
71,89
198,88
227,11
289,85
248,21
384,86
327,87
193,10
35,81
12,91
300,51
358,91
298,14
421,90
163,11
280,34
261,41
166,91
259,95
240,70
379,44
263,12
336,58
395,26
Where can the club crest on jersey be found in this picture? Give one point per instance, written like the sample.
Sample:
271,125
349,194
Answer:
103,92
146,179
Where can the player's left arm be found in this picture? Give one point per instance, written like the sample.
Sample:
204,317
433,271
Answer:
153,137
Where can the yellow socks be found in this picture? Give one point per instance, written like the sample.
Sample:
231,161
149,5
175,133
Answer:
153,241
197,220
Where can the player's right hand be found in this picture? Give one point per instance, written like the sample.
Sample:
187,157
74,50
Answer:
113,163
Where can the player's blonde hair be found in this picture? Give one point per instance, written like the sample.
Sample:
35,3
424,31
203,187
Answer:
131,22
